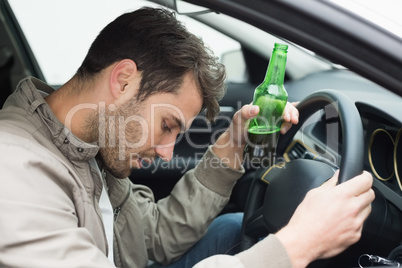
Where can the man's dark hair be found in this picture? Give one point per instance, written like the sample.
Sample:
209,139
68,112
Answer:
164,52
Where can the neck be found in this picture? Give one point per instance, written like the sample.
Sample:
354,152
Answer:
71,106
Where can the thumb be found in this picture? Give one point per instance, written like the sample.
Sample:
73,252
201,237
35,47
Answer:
249,111
332,181
237,127
246,112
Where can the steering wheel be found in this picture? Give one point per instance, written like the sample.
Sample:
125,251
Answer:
271,204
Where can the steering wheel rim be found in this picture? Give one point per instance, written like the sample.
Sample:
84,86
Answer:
352,130
351,162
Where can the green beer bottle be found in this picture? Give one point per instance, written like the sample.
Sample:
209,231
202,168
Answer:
271,97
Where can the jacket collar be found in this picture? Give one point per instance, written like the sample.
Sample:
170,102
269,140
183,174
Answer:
30,96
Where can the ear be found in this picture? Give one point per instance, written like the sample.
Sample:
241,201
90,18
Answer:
123,79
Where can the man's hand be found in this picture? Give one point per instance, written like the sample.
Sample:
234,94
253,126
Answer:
290,116
329,220
230,144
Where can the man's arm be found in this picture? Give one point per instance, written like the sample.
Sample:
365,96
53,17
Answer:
329,220
208,187
176,222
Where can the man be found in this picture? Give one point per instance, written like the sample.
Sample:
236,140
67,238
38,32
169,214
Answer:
66,201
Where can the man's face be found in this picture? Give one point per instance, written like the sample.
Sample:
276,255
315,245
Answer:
137,132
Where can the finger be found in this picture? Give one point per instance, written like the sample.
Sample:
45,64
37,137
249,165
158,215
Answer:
365,198
358,185
287,112
246,112
295,103
332,181
361,217
285,127
240,119
249,111
291,114
365,212
294,115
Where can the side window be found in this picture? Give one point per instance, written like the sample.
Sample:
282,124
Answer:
235,66
60,39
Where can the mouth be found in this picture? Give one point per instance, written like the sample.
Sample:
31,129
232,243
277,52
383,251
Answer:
139,163
143,161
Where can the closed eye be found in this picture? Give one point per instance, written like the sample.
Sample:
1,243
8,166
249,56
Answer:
166,127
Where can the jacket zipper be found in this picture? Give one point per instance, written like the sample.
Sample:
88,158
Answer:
118,209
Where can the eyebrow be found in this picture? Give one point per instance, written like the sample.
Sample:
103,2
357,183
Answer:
179,123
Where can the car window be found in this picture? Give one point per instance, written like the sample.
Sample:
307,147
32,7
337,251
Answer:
60,39
382,13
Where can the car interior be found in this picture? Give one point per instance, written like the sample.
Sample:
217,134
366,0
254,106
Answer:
344,71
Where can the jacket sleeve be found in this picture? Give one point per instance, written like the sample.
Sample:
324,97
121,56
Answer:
267,253
38,223
177,222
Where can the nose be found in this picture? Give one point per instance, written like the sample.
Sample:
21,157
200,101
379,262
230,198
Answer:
165,152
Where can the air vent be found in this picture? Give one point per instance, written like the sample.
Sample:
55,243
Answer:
296,151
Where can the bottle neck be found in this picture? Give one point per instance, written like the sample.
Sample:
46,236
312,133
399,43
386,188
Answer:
276,68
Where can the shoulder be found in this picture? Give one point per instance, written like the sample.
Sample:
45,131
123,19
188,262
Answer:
23,153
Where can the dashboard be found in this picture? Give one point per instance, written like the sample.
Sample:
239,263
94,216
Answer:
383,150
321,137
381,116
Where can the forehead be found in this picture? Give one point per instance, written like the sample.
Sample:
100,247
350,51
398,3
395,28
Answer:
183,105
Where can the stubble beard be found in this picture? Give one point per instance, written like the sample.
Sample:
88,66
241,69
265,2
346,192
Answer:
117,164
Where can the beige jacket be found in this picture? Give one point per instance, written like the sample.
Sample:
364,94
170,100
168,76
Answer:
49,194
